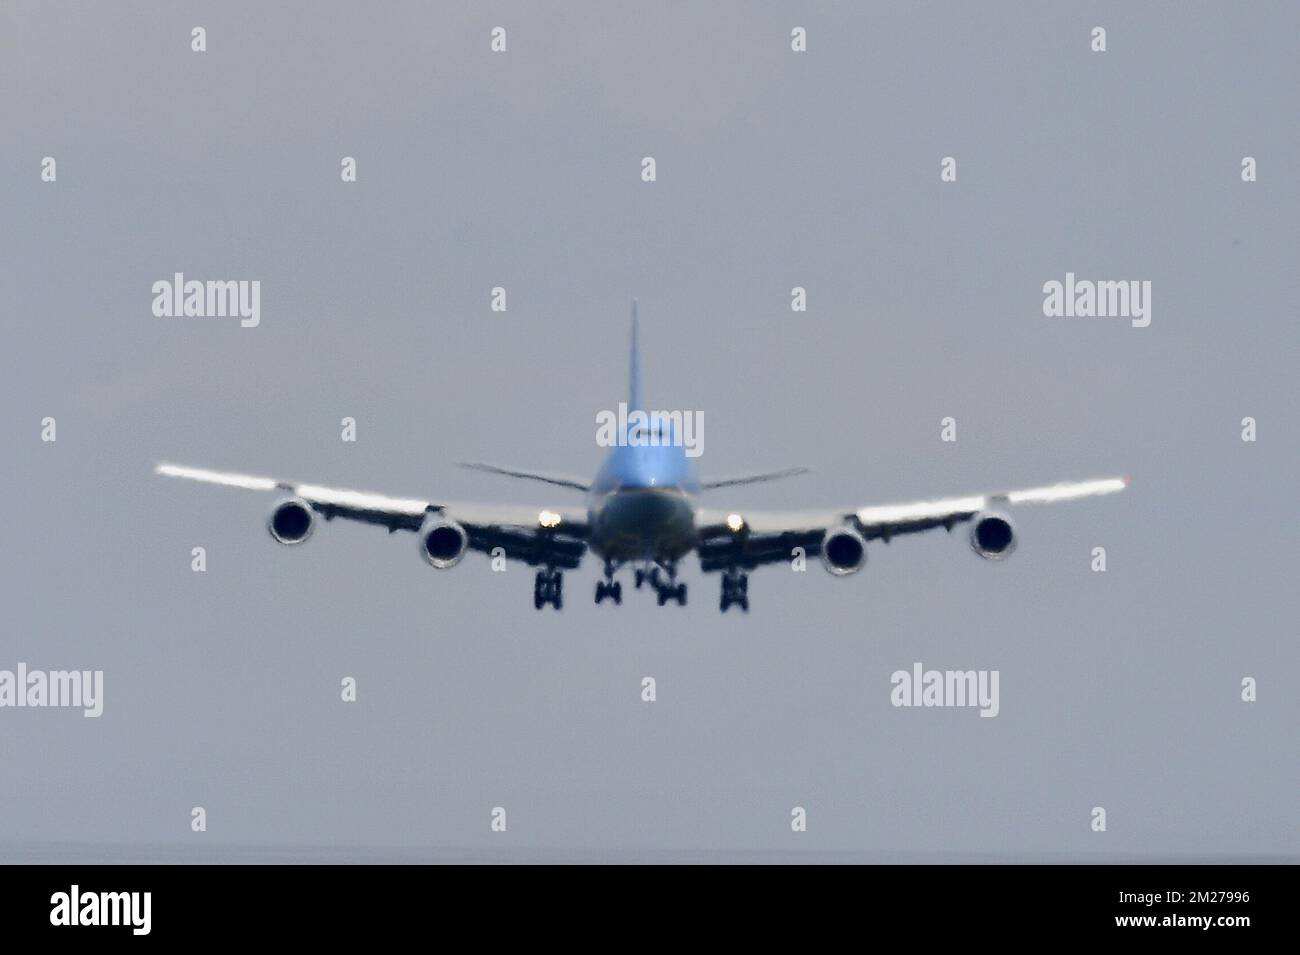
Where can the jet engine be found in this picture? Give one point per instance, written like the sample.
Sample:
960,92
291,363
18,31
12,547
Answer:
291,521
844,551
442,541
992,535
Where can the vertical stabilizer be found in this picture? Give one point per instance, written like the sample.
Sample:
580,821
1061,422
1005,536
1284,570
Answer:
634,365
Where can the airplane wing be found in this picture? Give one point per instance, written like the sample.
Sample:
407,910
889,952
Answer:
556,537
744,540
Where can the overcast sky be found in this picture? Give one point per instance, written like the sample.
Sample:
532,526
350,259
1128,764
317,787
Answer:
775,169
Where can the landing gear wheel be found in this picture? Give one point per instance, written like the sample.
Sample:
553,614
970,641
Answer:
735,590
548,588
669,592
614,591
609,587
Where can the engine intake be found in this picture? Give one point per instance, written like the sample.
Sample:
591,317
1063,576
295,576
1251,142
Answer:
443,542
291,521
992,535
844,551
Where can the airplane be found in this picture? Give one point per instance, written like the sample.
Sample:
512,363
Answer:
643,509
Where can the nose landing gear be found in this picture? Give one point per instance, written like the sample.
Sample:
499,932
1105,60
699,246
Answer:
611,588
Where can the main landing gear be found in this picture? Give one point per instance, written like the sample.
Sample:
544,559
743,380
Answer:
548,588
662,577
669,592
666,589
735,590
611,588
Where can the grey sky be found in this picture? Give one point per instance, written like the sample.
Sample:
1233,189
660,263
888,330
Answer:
775,169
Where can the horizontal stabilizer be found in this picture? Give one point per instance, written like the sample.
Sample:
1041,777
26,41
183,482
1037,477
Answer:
759,478
559,480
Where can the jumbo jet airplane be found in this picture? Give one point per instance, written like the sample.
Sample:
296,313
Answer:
643,509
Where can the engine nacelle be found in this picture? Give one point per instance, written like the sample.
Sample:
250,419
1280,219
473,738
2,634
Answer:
844,551
291,521
992,535
442,541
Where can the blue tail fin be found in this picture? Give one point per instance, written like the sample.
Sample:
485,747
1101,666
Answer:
634,365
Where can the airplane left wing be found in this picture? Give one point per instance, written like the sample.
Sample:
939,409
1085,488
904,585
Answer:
745,540
556,537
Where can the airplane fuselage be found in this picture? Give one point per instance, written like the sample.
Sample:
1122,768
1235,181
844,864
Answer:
642,503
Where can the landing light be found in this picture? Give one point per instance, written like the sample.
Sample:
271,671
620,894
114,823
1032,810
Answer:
548,519
735,522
